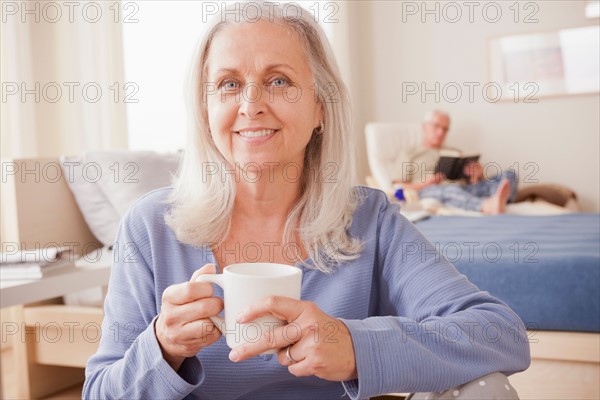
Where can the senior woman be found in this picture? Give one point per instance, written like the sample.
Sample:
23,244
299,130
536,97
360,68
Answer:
269,164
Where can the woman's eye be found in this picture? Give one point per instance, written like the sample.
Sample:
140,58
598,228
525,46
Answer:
279,82
229,85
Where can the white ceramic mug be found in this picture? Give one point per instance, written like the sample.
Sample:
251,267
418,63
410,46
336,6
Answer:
246,283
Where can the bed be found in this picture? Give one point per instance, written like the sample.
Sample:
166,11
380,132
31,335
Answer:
547,268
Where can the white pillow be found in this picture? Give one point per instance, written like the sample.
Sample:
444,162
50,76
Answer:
128,175
106,182
100,216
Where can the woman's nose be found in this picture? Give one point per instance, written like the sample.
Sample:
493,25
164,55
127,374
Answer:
253,101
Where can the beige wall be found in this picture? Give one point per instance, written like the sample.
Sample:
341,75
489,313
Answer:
560,135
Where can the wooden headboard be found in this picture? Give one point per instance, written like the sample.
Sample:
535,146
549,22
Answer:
39,209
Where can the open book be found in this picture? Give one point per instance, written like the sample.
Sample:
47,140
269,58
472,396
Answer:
453,167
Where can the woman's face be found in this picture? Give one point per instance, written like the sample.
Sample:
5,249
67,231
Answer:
261,101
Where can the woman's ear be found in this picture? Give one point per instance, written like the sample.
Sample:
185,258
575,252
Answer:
321,118
320,129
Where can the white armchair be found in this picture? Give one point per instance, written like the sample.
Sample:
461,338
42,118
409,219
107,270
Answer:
385,143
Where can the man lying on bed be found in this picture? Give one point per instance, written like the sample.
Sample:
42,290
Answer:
475,194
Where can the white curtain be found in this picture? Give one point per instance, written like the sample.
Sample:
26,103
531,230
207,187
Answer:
53,61
334,17
350,38
18,126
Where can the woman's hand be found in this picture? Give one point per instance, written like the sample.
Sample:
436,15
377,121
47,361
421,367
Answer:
183,327
320,345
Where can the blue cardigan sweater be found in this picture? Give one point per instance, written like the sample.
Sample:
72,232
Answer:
416,323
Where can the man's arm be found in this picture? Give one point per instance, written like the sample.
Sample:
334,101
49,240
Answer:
431,180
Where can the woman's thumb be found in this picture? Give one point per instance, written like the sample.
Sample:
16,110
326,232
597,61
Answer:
206,269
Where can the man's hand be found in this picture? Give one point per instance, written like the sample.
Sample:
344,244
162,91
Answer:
437,178
474,171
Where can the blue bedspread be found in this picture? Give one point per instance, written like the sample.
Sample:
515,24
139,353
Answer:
547,268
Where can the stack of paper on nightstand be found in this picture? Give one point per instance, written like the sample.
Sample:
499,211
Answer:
35,264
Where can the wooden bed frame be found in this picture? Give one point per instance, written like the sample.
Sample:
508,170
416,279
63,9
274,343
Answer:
565,365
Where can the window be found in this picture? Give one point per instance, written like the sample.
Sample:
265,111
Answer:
159,40
157,52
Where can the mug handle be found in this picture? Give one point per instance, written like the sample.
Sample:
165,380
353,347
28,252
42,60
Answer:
217,279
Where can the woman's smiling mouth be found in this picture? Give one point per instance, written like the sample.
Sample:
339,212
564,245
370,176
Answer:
256,135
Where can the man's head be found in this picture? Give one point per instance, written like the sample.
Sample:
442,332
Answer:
435,127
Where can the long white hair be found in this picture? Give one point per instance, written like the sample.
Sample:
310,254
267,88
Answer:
202,200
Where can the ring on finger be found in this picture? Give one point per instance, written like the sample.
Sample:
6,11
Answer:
289,356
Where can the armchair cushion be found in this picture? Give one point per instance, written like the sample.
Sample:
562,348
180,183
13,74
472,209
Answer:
385,144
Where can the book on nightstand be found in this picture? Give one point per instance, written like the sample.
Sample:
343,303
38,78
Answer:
32,270
35,264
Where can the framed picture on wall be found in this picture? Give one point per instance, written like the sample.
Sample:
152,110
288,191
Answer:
530,66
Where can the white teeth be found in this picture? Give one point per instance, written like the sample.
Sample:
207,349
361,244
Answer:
262,133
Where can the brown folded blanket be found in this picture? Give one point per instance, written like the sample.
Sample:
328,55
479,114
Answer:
555,194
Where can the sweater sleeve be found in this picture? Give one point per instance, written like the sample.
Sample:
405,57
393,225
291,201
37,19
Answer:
129,362
434,329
